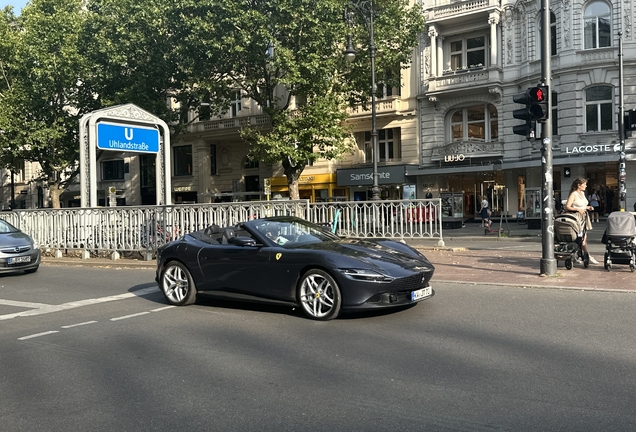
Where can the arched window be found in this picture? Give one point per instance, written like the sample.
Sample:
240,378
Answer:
477,122
597,21
599,108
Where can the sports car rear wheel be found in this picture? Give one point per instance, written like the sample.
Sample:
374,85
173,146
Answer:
177,284
319,295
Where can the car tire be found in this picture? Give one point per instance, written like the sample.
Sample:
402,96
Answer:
319,295
177,284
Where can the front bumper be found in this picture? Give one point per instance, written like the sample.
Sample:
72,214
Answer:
5,267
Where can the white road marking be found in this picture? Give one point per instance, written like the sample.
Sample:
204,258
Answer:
129,316
22,304
45,309
78,324
38,335
162,308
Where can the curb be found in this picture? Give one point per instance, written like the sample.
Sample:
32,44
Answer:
530,286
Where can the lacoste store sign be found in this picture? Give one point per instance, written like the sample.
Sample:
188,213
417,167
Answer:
593,148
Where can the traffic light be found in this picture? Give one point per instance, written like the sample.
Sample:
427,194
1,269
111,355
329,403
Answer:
538,98
629,121
527,129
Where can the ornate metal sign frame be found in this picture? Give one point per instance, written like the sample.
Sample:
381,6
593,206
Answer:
126,115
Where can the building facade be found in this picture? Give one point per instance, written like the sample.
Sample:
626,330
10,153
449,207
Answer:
477,55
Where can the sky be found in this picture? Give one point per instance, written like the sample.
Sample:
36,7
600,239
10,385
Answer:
17,4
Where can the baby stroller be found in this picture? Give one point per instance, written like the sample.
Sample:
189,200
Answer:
568,235
620,246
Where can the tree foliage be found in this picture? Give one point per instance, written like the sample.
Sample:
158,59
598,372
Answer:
263,47
40,94
63,58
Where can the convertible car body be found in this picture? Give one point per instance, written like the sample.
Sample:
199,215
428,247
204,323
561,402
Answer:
288,260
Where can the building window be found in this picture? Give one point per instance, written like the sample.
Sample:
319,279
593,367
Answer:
597,25
236,103
599,109
113,170
182,156
250,162
553,34
212,159
388,145
384,89
468,53
478,122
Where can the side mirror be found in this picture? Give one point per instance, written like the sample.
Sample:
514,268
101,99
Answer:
243,241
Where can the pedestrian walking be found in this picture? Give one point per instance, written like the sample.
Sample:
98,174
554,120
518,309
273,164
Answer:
594,199
578,203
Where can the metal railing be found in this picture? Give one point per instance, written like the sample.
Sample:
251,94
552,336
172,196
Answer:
107,230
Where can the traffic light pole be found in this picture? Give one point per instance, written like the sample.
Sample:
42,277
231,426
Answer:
622,174
548,264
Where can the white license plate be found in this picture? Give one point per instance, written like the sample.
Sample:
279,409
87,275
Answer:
20,259
421,293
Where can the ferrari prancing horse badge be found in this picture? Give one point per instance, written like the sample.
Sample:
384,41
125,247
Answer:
278,255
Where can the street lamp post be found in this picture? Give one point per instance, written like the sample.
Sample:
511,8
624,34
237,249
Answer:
365,10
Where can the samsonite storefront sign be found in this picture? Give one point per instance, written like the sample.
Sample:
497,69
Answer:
364,176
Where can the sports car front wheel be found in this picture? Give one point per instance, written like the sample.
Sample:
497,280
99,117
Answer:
319,295
177,284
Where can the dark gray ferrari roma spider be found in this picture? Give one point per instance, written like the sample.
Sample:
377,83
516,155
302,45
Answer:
288,260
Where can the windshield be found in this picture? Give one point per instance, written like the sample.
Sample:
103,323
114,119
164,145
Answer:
290,233
6,227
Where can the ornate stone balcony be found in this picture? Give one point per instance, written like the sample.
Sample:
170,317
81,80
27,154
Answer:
459,80
386,106
444,9
230,124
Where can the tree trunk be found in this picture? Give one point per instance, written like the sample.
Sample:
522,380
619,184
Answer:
55,192
293,188
292,172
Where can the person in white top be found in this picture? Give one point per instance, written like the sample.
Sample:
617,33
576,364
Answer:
578,203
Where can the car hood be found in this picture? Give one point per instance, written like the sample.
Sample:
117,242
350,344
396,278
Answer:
8,240
375,253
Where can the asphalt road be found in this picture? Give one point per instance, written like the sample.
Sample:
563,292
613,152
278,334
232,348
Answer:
95,349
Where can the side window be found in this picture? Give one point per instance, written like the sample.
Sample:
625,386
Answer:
467,53
182,160
478,122
597,27
113,170
212,159
599,109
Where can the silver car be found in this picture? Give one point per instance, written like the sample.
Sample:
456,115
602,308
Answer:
18,251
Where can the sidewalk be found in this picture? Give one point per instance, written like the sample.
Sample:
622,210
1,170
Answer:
471,257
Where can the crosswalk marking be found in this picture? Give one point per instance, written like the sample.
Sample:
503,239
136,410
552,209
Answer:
41,309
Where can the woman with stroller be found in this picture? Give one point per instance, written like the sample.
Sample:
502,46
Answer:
578,203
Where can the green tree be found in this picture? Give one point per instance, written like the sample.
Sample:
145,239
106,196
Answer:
39,98
287,56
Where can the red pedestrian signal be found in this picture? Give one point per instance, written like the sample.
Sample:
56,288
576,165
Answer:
538,103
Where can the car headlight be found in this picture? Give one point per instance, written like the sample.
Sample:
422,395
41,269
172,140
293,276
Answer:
366,275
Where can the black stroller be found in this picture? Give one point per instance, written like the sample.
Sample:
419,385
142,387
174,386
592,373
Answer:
619,239
568,235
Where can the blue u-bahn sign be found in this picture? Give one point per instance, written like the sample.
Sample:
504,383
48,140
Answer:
127,138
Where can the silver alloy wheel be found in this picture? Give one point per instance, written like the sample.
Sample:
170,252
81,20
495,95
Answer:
177,284
319,295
